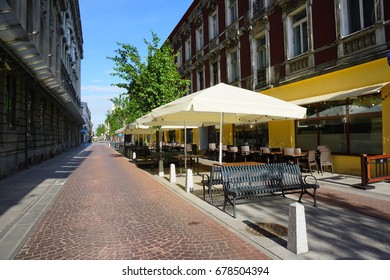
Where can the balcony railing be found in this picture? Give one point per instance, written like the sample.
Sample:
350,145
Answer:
359,42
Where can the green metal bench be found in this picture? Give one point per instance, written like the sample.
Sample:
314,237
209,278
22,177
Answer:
254,181
210,181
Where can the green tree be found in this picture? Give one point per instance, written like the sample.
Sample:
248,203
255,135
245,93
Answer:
147,84
100,130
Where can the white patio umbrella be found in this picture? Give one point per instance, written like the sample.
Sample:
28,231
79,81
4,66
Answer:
225,104
164,125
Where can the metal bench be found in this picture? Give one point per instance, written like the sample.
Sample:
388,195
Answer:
209,181
254,181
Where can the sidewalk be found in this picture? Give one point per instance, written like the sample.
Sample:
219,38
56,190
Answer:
348,223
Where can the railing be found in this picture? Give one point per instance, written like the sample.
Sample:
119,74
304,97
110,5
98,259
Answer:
375,168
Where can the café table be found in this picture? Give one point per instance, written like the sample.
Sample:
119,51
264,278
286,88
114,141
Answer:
192,158
238,163
295,157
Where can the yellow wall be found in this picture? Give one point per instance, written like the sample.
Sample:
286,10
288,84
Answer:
227,134
371,73
281,134
346,164
386,118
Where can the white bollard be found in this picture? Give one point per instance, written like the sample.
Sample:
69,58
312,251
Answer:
134,155
297,235
172,174
160,168
189,181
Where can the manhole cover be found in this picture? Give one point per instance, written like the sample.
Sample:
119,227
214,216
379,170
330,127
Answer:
267,229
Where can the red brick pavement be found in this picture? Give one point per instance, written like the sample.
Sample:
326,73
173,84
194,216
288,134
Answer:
109,209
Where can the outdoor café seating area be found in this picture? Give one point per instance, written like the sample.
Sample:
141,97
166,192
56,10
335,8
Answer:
319,159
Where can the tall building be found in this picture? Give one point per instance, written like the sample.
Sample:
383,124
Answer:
86,131
41,47
330,56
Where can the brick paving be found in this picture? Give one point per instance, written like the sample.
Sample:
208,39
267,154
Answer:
109,209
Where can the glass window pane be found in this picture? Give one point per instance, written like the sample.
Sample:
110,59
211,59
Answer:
368,12
297,40
333,134
307,134
366,104
305,44
366,135
332,108
354,16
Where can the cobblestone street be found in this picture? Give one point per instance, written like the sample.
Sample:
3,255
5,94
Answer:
110,209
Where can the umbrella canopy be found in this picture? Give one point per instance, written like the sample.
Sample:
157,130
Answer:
238,105
224,104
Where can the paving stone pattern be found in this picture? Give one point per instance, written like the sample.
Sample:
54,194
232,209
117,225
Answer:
110,209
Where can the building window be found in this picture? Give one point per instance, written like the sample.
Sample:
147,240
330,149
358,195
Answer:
213,24
232,11
234,67
297,33
214,73
199,38
188,49
179,57
11,101
200,80
258,7
261,61
357,15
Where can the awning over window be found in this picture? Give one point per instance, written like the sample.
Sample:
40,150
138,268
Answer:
341,95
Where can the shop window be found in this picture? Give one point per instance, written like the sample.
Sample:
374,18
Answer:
255,135
366,135
348,126
307,134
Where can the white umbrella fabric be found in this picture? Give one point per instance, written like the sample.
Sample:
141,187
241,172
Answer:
226,104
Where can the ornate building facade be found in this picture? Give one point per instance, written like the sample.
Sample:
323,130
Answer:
330,56
41,47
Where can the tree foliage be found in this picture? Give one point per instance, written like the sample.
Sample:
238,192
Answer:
147,85
100,130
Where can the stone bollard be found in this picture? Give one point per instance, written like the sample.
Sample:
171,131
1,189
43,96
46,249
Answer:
160,168
172,174
189,181
297,236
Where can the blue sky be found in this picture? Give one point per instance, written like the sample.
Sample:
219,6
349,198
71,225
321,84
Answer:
105,23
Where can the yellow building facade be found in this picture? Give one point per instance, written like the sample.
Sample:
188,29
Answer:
374,74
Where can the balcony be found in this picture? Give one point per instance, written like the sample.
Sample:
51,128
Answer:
359,42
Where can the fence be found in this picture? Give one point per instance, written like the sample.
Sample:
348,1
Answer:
374,168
